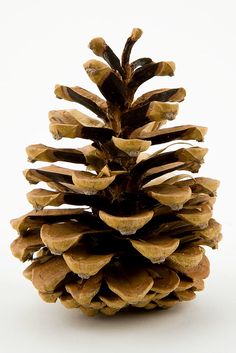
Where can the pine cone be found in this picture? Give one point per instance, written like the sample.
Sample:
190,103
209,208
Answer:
134,237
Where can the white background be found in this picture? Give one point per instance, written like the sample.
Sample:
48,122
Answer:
45,42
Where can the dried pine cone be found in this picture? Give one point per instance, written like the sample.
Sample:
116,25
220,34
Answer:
138,240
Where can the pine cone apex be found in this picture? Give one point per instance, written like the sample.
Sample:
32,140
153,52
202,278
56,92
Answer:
136,34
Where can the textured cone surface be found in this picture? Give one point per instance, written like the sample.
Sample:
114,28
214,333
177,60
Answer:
128,229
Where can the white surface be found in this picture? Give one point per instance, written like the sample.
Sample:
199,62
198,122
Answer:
45,42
